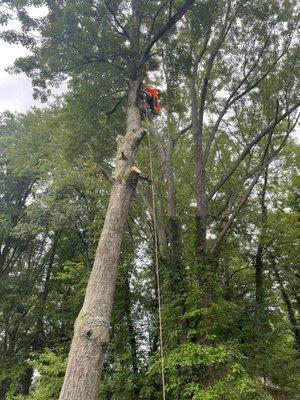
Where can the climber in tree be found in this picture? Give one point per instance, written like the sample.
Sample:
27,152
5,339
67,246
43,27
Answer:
151,98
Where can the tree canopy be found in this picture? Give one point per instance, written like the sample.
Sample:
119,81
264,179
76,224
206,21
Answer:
226,201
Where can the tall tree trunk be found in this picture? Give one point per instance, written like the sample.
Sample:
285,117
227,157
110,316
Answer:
177,277
38,341
91,330
201,197
198,106
173,225
132,336
259,265
26,381
295,324
173,264
3,389
160,223
176,274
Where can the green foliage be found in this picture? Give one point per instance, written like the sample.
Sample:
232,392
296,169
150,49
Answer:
191,366
49,372
243,389
54,194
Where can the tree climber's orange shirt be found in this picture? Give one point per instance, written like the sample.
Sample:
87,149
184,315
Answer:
153,92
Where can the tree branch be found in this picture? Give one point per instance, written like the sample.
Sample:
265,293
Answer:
236,271
244,199
125,33
156,16
180,133
274,153
248,148
109,113
232,100
171,22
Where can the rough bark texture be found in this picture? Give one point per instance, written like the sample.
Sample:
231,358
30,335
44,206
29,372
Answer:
91,330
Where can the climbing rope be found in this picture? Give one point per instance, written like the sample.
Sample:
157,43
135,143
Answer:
162,360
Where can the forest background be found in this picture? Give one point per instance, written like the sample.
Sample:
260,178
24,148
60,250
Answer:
226,171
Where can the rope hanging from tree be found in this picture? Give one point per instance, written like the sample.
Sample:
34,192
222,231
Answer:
156,264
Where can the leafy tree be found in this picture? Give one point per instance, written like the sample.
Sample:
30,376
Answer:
225,200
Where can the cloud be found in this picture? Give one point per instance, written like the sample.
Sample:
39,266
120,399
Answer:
16,93
15,90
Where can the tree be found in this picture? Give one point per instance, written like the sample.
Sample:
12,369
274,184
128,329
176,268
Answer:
92,325
253,73
222,265
42,220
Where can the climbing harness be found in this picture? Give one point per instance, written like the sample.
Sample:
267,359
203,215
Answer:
156,263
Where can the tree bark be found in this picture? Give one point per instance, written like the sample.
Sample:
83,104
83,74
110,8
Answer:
26,381
201,198
291,313
91,330
173,225
259,265
132,336
3,389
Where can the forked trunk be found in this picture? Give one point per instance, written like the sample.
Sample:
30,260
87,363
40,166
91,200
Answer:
91,331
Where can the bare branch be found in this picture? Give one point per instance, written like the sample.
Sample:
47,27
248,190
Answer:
159,10
234,214
248,148
124,32
277,151
171,22
180,133
236,271
232,100
120,100
257,173
203,50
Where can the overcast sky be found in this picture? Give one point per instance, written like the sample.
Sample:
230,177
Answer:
15,89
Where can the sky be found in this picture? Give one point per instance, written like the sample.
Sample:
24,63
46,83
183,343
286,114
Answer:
16,93
15,89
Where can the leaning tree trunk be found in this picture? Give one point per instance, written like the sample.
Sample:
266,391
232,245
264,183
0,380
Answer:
91,330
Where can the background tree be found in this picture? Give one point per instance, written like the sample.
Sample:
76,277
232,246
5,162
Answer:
230,306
